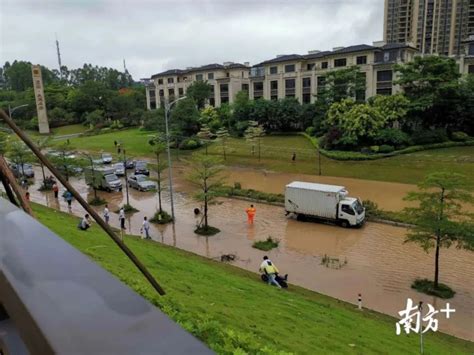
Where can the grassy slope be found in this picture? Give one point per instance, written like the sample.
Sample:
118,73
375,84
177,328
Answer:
229,308
277,151
70,129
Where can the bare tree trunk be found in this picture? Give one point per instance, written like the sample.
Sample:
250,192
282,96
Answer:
205,205
436,276
160,209
44,176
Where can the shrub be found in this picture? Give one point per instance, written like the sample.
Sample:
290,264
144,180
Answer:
237,186
97,201
267,244
392,136
190,144
427,286
430,136
365,150
310,131
161,218
374,148
459,136
207,231
385,148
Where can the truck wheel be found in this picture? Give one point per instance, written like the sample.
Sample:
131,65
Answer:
107,189
300,217
344,224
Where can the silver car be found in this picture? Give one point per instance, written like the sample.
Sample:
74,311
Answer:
141,183
106,158
119,169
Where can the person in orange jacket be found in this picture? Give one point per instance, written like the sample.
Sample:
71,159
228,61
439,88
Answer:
250,214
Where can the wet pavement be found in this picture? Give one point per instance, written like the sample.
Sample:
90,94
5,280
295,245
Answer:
372,260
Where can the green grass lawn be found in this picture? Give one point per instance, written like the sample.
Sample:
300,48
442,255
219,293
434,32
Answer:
70,129
276,153
234,312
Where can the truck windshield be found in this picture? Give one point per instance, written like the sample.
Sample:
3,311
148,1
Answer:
111,177
357,206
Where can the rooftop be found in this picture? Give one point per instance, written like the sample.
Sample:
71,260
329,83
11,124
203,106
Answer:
213,66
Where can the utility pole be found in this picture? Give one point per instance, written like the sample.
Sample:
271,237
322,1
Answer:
125,171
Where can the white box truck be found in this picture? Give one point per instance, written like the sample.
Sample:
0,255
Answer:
325,202
103,178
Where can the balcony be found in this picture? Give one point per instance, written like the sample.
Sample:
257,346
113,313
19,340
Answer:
55,300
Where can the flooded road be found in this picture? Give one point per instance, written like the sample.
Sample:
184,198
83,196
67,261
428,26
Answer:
388,195
373,260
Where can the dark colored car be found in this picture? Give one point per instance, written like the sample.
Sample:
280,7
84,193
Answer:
141,168
26,171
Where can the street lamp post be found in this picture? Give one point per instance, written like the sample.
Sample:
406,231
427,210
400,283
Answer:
11,110
170,177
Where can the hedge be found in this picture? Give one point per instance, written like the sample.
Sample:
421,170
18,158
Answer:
342,155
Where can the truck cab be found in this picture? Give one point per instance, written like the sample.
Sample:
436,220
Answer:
350,212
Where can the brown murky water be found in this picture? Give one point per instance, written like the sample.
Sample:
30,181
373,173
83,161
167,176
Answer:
379,265
388,195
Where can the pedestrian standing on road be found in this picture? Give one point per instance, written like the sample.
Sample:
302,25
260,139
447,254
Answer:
293,157
55,190
250,214
122,221
68,197
106,214
146,228
118,148
115,144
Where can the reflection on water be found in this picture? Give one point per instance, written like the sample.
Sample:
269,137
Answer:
380,266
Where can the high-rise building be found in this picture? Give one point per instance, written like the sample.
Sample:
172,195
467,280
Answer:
432,26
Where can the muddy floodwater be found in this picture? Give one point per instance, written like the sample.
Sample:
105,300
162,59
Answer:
372,260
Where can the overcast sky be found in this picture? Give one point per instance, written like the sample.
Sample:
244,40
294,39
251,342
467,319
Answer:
155,35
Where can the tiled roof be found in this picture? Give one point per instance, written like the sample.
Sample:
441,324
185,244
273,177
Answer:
283,58
356,48
213,66
317,55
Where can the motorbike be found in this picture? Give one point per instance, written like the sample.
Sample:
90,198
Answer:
282,281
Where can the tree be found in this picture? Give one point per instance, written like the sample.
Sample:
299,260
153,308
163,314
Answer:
393,108
223,136
154,120
341,84
158,145
205,135
206,176
185,117
199,91
210,117
4,138
431,84
241,107
440,219
20,154
94,118
64,161
253,134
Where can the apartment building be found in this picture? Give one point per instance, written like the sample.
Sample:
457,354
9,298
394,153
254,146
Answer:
225,79
294,75
432,26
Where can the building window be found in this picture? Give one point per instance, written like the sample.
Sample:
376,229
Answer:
306,98
321,83
170,80
199,77
258,86
324,65
212,102
274,85
310,66
152,105
289,68
180,91
385,91
162,92
170,92
470,69
245,87
224,100
342,62
289,83
273,70
384,75
471,49
179,79
227,75
212,90
224,89
306,82
362,60
210,76
160,81
152,93
274,97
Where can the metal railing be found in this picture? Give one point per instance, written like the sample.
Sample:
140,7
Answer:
55,300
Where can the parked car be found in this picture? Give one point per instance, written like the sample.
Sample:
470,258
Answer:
141,183
130,164
26,171
106,158
141,168
55,153
97,161
72,169
119,169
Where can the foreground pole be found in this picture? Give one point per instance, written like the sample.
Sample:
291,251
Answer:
82,202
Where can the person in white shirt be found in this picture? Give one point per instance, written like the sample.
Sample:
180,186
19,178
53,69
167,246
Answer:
106,214
122,221
85,223
146,228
